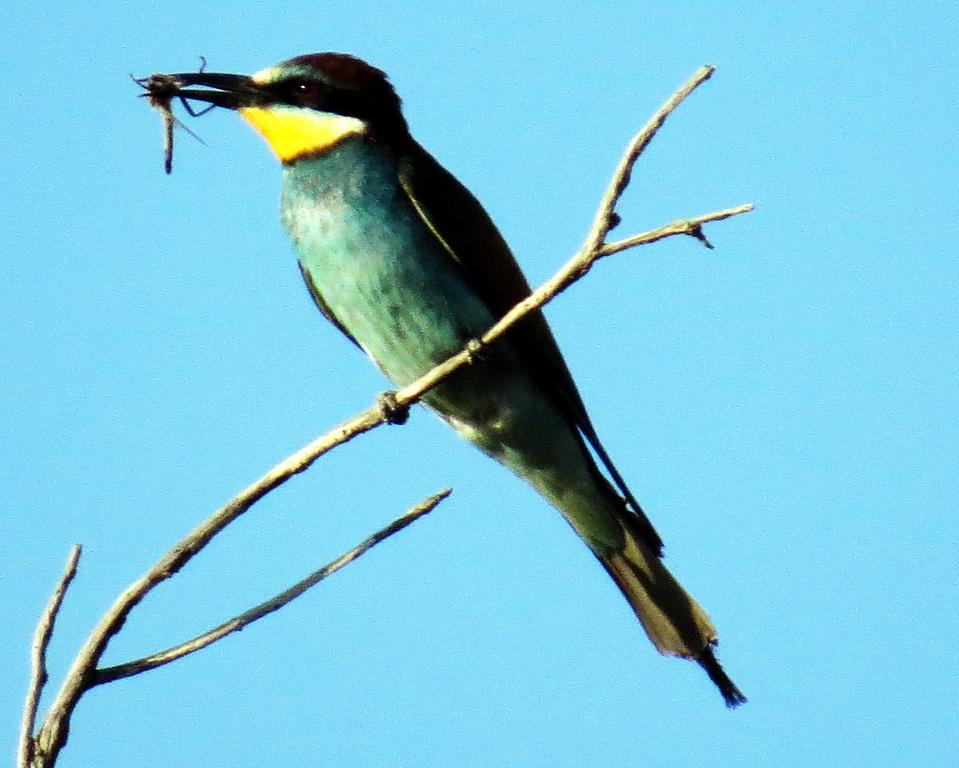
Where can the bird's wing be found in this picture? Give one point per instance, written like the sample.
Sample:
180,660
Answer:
464,229
322,305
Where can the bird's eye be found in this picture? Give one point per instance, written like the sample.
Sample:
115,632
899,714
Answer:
305,91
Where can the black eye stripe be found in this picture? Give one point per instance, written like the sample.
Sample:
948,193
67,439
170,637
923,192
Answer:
325,96
301,92
307,92
316,94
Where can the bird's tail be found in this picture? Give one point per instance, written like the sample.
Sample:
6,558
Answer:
676,624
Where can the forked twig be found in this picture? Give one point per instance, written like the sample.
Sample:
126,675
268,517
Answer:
243,620
606,217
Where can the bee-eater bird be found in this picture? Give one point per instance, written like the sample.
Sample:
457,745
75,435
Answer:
403,259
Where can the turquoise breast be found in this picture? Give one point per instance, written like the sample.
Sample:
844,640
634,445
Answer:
374,263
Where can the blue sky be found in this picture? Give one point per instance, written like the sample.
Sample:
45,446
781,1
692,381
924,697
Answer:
784,406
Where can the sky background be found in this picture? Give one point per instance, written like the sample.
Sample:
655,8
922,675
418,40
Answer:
785,406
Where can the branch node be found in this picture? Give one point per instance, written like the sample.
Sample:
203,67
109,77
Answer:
391,410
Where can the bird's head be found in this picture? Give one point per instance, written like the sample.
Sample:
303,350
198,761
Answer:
305,105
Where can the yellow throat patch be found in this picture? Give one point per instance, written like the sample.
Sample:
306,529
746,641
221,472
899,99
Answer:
292,131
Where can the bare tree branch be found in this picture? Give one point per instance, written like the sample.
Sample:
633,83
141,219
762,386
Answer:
691,227
108,674
83,673
38,658
605,217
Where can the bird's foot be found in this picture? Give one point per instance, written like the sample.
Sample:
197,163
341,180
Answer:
474,350
392,411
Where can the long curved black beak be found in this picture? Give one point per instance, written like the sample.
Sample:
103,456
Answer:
232,91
